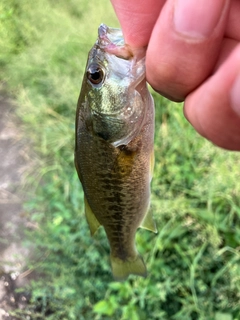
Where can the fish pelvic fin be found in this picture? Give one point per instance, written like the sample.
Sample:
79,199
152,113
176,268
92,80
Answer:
148,222
91,218
121,269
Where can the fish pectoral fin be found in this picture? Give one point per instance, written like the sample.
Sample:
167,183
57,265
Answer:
121,269
91,219
148,223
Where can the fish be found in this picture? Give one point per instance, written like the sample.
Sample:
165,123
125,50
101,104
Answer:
114,147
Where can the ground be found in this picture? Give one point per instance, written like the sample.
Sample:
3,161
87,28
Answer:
14,163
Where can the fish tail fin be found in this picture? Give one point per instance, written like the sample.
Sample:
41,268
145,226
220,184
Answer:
121,269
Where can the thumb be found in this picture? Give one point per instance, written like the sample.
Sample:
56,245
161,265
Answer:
137,19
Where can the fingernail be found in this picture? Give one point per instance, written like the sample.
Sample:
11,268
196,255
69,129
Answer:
235,96
197,19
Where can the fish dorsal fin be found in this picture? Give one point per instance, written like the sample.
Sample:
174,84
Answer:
148,222
91,219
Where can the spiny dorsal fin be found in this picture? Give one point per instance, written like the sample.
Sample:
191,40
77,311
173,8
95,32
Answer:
91,219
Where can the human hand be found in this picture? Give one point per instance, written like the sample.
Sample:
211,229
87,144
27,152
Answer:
193,55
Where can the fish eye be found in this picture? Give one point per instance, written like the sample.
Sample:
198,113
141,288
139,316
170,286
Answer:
95,74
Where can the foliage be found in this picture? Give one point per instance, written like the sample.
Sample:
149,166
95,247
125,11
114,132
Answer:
193,261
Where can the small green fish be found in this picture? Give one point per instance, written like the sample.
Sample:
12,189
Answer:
114,147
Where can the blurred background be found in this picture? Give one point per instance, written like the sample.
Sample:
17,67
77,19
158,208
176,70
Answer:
193,261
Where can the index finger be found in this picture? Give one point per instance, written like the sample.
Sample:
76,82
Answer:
137,19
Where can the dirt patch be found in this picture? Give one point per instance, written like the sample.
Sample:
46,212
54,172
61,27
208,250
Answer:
13,164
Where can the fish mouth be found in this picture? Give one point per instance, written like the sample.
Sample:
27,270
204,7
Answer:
111,41
108,35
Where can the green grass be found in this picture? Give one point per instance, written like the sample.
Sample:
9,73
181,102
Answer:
193,261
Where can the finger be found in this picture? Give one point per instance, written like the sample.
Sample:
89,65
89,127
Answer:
137,19
227,47
214,108
233,24
184,45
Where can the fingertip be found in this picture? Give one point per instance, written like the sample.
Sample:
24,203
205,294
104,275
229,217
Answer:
221,127
235,95
137,19
168,96
213,109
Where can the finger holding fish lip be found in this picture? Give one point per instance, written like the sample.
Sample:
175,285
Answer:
137,19
188,47
183,40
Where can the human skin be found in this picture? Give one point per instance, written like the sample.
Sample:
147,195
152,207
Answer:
193,55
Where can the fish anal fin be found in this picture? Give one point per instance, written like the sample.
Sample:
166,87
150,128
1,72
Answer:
148,222
121,269
91,218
